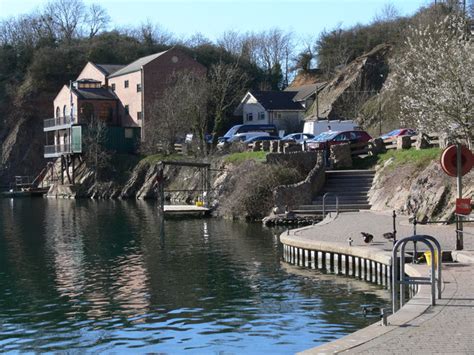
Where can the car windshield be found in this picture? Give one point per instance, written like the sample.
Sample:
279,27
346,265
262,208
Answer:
231,131
322,137
393,133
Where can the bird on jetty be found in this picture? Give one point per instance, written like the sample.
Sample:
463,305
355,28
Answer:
367,237
389,236
349,240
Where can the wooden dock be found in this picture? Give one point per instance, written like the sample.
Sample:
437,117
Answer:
186,210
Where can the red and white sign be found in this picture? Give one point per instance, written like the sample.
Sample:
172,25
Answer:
463,206
449,160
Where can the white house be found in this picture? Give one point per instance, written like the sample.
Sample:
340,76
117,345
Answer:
272,107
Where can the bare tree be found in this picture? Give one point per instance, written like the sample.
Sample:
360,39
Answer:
232,42
95,153
152,34
65,17
180,110
97,19
227,83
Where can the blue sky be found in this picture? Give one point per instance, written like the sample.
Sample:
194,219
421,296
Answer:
213,17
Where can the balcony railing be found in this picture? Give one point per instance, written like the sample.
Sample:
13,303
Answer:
51,151
58,121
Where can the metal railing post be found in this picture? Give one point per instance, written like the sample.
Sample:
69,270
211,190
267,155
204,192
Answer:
324,203
399,281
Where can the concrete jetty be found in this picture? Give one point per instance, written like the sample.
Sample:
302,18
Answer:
418,327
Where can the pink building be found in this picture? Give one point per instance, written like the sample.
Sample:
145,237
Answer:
116,94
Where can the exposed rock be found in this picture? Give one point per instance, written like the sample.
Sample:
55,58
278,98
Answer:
353,85
429,193
21,150
137,179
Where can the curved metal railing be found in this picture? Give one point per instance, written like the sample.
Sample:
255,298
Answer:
324,203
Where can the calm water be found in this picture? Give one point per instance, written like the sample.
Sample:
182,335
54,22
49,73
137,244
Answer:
85,275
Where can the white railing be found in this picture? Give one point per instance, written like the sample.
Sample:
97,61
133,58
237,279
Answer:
57,149
58,121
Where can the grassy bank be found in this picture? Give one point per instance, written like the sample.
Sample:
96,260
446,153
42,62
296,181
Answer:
237,158
419,158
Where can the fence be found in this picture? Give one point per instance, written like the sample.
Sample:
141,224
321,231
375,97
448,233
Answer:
178,148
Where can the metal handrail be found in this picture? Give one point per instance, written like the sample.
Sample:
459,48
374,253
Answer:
324,203
433,280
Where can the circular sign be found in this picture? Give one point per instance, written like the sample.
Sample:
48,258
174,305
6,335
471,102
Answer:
449,160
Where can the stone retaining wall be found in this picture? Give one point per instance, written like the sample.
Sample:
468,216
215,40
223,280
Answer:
302,192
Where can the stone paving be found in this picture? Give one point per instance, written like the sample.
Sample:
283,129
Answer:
351,224
447,328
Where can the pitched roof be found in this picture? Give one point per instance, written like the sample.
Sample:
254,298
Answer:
109,69
304,91
136,65
277,100
95,94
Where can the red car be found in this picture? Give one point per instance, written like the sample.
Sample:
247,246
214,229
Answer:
327,139
399,132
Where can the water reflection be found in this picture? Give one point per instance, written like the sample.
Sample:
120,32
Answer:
88,275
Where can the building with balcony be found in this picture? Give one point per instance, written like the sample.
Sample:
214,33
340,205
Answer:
118,95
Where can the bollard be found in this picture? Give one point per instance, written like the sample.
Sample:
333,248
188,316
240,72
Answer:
383,317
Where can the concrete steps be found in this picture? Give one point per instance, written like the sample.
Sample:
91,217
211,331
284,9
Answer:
350,186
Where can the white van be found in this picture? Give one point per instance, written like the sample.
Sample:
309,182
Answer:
319,126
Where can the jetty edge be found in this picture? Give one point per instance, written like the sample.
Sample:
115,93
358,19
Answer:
307,247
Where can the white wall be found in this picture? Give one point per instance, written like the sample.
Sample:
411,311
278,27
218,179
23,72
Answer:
252,106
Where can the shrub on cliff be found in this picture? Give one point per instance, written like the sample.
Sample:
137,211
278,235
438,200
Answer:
250,189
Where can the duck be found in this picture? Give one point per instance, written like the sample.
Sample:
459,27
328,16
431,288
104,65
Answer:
367,237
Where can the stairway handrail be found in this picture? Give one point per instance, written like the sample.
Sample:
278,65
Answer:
324,203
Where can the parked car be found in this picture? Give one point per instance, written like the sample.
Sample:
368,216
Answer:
262,138
244,128
298,137
241,137
399,132
326,139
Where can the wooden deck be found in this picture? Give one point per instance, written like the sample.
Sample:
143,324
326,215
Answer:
186,210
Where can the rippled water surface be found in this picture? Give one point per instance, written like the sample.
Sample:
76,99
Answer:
97,277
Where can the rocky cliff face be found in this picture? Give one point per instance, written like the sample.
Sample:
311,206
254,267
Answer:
347,92
428,192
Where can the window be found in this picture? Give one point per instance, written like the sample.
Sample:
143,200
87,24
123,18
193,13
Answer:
250,116
261,115
139,116
128,133
113,86
139,87
278,114
125,84
126,109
